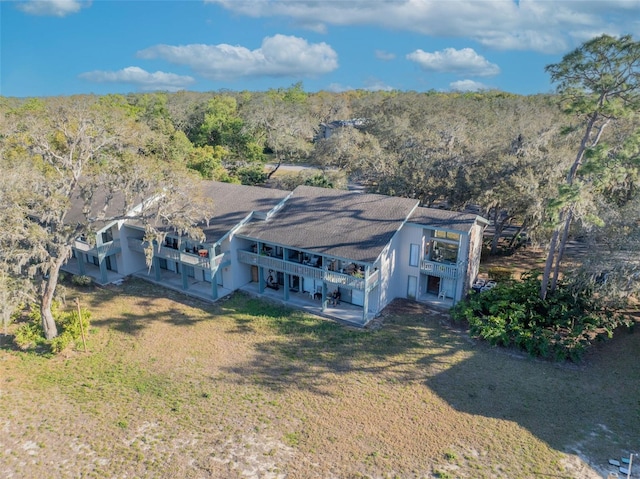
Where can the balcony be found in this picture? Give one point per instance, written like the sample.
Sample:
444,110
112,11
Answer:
195,259
221,259
167,253
137,244
442,270
84,246
278,264
333,277
341,279
106,249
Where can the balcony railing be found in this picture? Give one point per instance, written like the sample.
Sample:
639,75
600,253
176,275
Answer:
103,250
195,259
220,259
291,267
167,253
84,246
137,244
442,270
279,264
373,280
112,247
347,280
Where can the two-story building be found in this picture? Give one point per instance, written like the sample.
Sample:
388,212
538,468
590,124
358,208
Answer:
333,252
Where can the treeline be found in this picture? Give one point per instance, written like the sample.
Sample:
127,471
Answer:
504,154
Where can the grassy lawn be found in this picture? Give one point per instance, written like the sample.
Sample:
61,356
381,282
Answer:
175,388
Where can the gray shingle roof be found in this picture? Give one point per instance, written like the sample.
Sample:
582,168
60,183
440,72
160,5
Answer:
115,207
334,222
445,219
232,203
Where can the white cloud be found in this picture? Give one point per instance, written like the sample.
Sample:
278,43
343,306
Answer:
279,55
54,8
450,60
539,25
467,85
338,87
374,84
385,56
140,78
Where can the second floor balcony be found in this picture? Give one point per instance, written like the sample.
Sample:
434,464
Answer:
309,271
442,270
105,249
193,257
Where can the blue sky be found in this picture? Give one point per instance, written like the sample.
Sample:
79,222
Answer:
63,47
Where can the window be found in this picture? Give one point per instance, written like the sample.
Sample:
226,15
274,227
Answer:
414,254
447,235
444,252
107,236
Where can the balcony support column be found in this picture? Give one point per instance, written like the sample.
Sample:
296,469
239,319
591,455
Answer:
286,286
103,270
80,259
324,296
365,301
185,278
214,284
155,262
261,281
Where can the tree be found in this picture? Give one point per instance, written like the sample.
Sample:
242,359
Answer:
280,119
599,83
70,165
222,126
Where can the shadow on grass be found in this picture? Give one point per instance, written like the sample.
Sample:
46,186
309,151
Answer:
592,408
308,352
151,303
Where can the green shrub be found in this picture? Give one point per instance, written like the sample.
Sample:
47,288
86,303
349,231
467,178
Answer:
559,327
81,280
69,329
31,334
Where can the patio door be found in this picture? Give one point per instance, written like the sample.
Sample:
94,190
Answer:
111,265
294,283
433,285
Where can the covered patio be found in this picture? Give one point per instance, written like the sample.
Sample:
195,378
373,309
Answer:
196,288
343,312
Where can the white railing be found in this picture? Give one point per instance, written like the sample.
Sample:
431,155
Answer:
195,259
278,264
167,253
83,246
347,280
109,248
373,279
102,250
221,258
137,244
442,270
291,267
